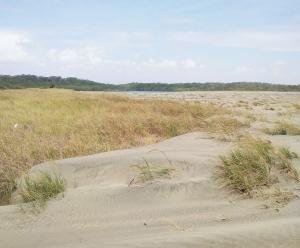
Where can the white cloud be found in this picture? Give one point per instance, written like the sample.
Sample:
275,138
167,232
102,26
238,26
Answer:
167,63
86,56
273,40
13,47
189,63
243,69
63,56
160,64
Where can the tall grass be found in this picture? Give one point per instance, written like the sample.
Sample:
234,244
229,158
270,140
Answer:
40,125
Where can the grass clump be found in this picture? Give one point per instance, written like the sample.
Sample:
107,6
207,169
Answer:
251,166
283,128
42,188
149,173
248,167
284,161
287,153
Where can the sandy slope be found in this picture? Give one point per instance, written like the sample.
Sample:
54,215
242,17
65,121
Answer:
188,210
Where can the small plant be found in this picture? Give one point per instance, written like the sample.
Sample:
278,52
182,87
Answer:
287,153
284,161
148,173
286,165
41,189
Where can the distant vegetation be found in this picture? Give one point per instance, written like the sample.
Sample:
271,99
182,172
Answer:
31,81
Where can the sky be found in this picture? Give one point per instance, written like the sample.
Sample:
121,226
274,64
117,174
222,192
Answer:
119,41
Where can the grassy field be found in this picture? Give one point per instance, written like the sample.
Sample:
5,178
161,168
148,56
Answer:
41,125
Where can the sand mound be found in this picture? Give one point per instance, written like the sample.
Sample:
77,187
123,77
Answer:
106,205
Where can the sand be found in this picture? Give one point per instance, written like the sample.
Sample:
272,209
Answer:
105,204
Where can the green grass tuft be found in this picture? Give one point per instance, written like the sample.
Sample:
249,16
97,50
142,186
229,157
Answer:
248,168
43,188
148,173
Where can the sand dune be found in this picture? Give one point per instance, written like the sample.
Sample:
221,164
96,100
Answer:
189,209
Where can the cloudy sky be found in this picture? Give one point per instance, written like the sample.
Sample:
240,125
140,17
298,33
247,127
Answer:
152,40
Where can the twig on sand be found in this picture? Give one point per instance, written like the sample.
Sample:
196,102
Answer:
131,181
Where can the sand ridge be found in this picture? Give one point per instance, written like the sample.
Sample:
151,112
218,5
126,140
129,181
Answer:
187,210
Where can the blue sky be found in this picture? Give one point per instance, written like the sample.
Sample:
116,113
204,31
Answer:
149,41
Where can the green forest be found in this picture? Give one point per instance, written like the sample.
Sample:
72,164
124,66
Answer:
32,81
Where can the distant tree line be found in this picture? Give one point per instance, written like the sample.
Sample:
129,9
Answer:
32,81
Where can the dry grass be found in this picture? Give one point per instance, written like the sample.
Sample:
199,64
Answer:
287,153
278,197
226,127
251,166
41,125
283,128
296,107
285,156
